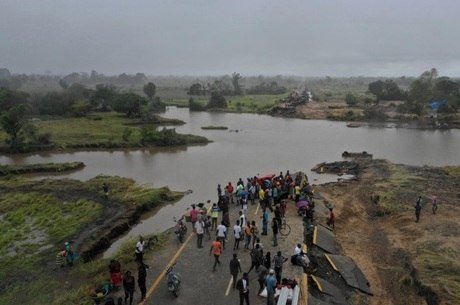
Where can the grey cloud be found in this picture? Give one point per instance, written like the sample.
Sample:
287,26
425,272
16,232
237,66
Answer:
314,38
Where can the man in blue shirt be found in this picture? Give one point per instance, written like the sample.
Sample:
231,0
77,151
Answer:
270,284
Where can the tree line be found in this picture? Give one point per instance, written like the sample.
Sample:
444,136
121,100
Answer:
416,99
76,100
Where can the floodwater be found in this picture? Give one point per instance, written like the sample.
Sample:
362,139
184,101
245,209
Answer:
254,144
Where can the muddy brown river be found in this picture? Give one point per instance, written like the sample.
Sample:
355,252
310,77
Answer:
253,144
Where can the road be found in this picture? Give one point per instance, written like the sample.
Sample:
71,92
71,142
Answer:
200,285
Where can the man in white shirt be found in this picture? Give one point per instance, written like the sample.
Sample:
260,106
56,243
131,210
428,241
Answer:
199,229
301,258
237,233
222,233
242,219
139,252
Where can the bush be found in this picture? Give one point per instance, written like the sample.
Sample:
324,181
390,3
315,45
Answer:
194,105
374,113
351,99
217,100
126,134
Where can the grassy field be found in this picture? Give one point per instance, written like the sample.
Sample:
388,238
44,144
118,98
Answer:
105,130
245,103
38,216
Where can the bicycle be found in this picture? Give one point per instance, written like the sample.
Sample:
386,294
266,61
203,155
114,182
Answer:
285,229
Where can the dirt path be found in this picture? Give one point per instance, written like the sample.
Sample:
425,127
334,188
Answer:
386,248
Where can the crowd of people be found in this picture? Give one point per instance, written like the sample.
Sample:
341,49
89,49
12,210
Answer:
272,193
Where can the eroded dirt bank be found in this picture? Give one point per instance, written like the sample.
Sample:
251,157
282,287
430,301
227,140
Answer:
405,262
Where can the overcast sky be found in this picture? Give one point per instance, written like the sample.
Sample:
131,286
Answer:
269,37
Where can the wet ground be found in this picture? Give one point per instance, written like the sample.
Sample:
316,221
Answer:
200,285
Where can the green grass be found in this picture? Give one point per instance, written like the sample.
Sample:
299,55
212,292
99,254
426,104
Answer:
211,127
43,167
105,130
244,103
439,268
254,103
396,190
58,210
453,170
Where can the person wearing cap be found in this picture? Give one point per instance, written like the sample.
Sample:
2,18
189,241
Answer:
270,284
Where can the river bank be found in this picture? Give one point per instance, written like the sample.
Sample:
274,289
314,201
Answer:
107,130
38,216
405,262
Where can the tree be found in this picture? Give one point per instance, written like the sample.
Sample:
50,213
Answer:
445,88
194,105
386,90
129,104
196,89
13,121
377,89
80,108
150,89
351,99
103,96
236,85
10,98
217,100
420,93
64,85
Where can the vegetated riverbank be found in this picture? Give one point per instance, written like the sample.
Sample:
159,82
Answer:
37,217
107,131
405,262
340,111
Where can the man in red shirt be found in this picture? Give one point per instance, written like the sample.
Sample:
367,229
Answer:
229,190
216,249
331,220
193,216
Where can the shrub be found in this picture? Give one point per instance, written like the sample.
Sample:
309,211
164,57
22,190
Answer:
374,113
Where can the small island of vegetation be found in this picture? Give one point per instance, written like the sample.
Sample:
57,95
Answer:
210,127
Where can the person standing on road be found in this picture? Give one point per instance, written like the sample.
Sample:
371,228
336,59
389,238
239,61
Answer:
270,283
235,268
199,228
194,216
243,287
275,230
129,285
139,252
222,233
219,191
254,233
229,192
242,219
216,249
141,276
418,208
237,234
257,256
262,272
214,216
247,234
278,261
265,222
